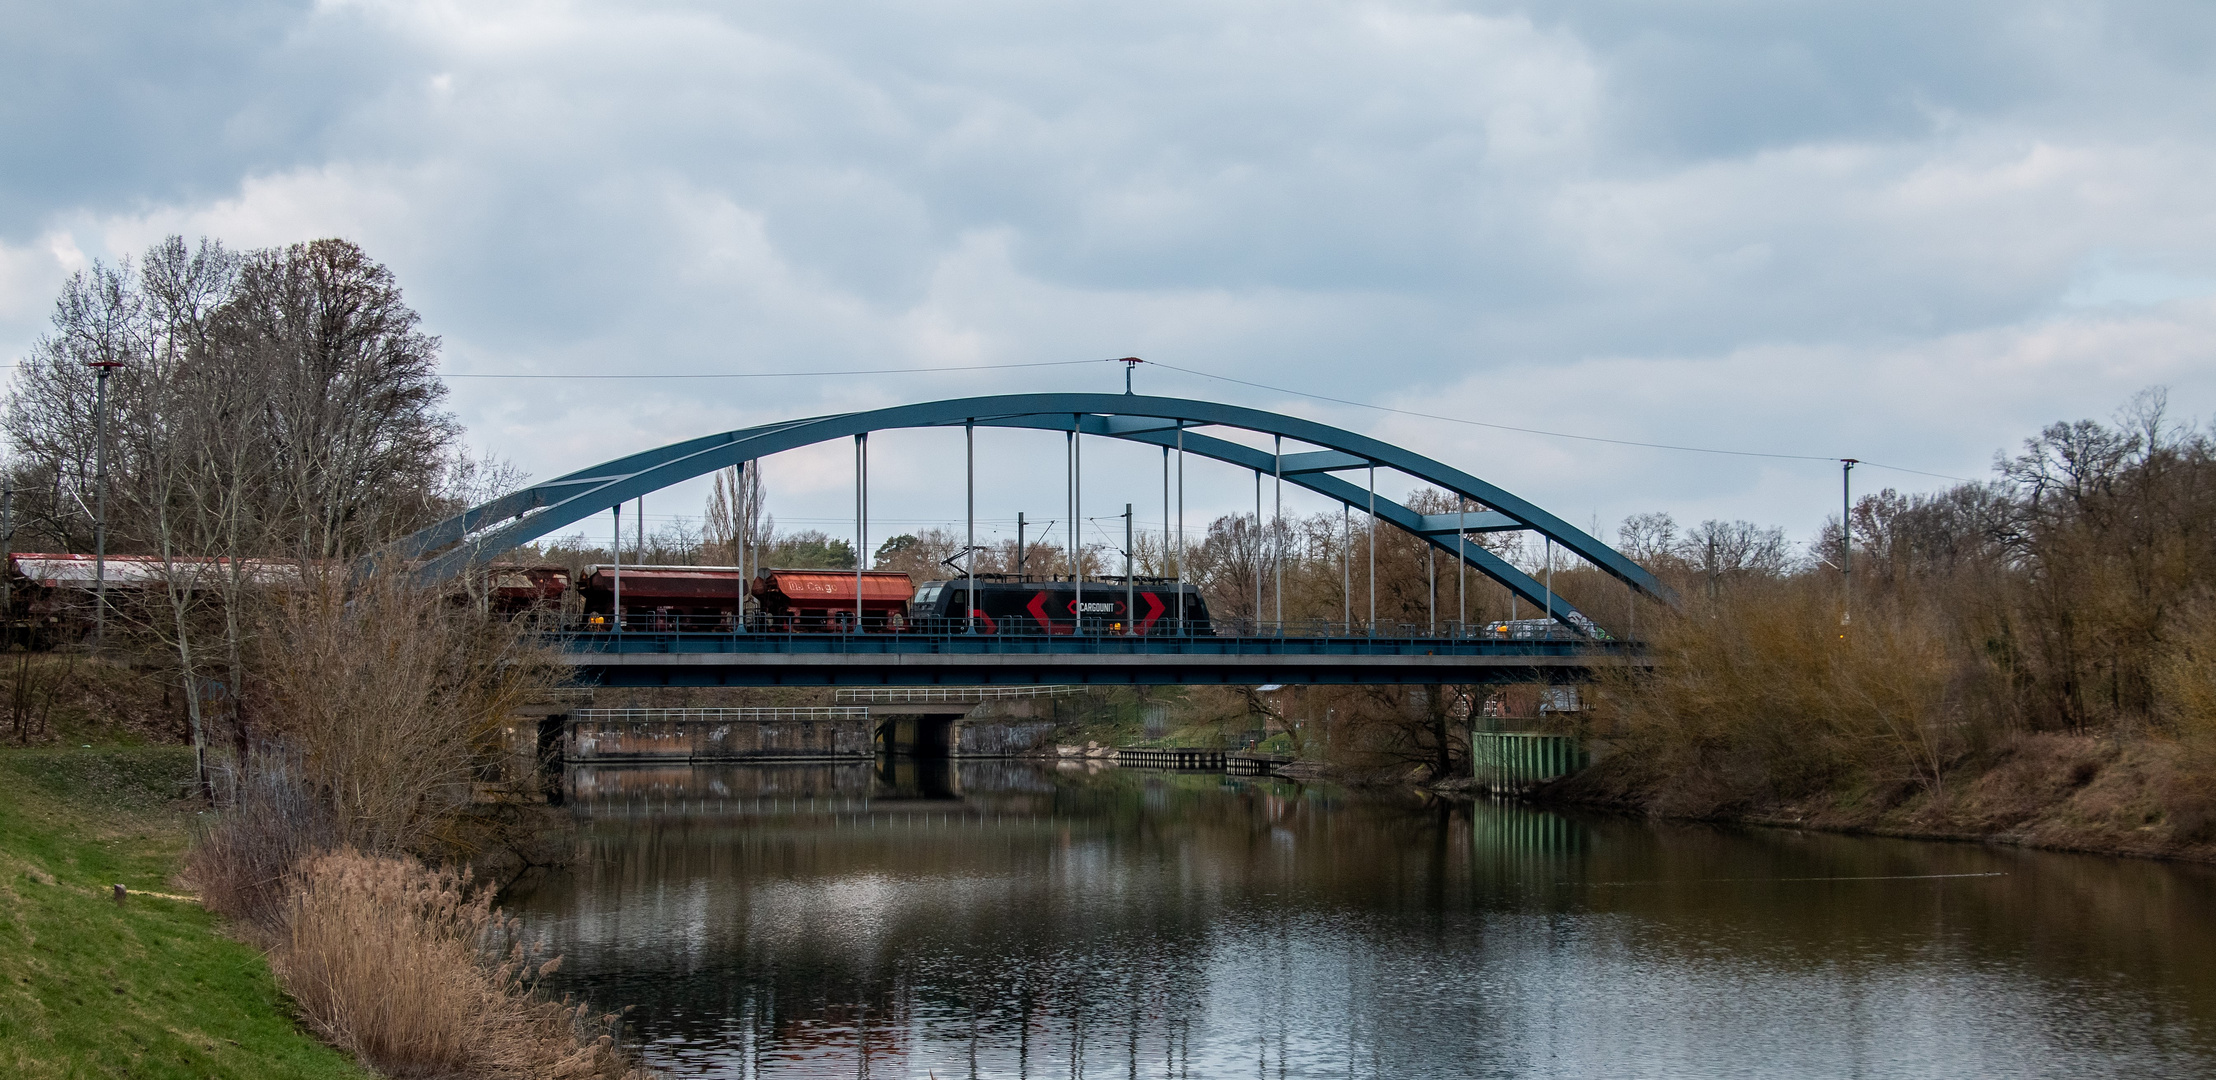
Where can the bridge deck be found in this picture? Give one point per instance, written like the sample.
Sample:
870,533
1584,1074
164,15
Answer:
647,659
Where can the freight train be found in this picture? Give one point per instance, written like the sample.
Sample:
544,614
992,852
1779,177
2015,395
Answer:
48,599
707,598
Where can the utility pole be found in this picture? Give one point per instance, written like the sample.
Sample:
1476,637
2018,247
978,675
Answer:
1019,545
741,509
7,566
615,612
1181,627
1130,589
969,559
102,369
861,521
1077,507
1846,540
1128,362
1373,551
1277,528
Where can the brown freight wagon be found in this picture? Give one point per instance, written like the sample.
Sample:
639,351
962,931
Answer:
664,598
50,595
822,601
513,589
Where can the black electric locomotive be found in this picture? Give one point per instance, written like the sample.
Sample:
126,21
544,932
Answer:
1010,605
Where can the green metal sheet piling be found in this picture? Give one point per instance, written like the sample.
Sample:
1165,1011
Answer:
1512,760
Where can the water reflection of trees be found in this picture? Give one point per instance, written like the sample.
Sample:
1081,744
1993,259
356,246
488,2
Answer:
1113,915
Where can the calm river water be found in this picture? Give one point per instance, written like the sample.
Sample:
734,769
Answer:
1012,920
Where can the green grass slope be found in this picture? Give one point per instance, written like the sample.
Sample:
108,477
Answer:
148,989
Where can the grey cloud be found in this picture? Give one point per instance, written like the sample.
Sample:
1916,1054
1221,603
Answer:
1355,198
118,104
1701,79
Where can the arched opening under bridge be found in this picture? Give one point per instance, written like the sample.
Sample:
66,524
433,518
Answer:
1178,425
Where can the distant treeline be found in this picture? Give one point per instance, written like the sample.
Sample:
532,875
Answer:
2001,649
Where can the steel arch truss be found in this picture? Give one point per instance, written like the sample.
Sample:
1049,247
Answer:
481,532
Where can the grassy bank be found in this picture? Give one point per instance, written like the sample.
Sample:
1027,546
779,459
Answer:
2139,795
148,989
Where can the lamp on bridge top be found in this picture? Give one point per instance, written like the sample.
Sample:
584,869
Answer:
1128,363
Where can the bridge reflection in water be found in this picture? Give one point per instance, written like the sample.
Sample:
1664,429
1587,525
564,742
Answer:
1006,918
885,784
916,660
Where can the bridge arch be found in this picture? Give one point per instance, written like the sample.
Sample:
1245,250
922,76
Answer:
449,547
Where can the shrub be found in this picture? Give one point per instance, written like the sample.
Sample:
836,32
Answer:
392,698
243,858
1762,694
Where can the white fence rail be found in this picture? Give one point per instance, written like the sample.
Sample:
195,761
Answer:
923,695
717,716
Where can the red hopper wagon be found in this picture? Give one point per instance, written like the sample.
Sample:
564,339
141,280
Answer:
822,601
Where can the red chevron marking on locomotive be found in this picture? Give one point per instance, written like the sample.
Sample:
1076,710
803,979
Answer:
1154,609
1037,608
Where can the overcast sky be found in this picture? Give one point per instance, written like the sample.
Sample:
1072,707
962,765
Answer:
1907,232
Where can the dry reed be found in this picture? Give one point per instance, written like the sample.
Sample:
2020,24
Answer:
418,975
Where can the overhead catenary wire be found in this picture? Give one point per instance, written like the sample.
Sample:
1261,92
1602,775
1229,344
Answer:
1681,448
755,374
1197,373
1106,538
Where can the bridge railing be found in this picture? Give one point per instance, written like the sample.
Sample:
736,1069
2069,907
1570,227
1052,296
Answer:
1519,630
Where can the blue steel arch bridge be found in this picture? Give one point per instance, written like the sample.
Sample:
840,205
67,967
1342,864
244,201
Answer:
1339,464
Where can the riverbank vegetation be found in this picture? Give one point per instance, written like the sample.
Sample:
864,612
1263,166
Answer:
417,973
271,417
2032,657
406,969
343,837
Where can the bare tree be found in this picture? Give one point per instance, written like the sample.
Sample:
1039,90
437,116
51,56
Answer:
1227,566
1649,539
196,467
268,406
307,349
1736,548
737,523
100,318
350,412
